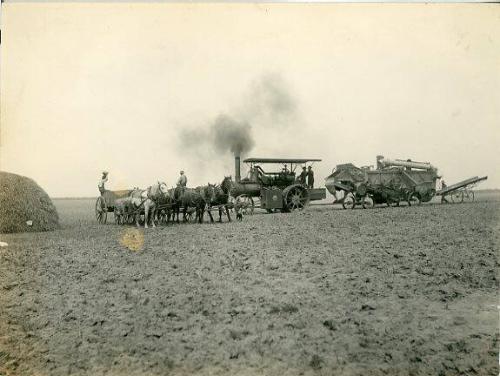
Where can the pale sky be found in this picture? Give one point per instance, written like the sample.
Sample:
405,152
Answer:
87,87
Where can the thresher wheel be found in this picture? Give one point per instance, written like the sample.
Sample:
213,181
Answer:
468,196
101,210
368,202
349,201
414,199
393,203
295,197
457,197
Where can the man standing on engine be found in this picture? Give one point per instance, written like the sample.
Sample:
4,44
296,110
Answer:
310,177
303,175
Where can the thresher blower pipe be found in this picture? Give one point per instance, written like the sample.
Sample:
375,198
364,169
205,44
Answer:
419,165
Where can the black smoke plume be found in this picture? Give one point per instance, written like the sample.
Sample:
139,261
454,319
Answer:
267,105
227,134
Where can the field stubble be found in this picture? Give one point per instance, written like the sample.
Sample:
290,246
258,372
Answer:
384,291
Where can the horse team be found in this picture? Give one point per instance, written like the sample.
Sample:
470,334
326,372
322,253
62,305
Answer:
159,203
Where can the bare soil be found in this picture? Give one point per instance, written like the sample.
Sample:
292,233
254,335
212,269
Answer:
406,291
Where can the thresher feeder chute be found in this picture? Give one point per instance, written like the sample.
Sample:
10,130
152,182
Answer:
276,190
461,191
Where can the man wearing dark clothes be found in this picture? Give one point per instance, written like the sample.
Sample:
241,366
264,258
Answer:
310,177
302,176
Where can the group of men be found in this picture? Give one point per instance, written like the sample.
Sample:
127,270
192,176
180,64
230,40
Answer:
306,177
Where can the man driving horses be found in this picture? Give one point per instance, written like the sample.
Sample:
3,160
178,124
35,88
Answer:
182,181
103,181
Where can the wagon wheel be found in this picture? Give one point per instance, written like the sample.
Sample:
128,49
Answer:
468,196
368,202
296,198
131,218
101,210
414,199
246,203
457,197
349,201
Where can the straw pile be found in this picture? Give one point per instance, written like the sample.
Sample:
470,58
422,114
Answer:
24,206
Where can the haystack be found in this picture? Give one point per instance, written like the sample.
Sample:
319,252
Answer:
24,206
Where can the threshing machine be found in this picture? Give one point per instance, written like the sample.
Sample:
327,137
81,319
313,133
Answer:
392,182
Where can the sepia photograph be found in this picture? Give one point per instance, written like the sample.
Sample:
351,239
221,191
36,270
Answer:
268,188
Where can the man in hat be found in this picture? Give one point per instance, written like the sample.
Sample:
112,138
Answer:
103,181
182,181
303,175
310,177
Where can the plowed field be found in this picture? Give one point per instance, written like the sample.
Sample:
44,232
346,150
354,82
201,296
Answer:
398,291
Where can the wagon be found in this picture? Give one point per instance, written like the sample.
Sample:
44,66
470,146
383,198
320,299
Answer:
106,203
392,182
275,190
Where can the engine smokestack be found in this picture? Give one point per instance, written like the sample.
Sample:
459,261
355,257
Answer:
237,172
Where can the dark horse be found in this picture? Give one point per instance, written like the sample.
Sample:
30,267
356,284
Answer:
221,199
230,188
197,198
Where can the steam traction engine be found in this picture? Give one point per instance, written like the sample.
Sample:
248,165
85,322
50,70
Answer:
276,190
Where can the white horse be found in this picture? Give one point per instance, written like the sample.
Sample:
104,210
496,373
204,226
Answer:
148,198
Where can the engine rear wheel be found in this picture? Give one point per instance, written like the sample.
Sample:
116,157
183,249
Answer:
296,197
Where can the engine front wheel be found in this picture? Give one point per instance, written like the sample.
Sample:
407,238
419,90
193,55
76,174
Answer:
245,204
